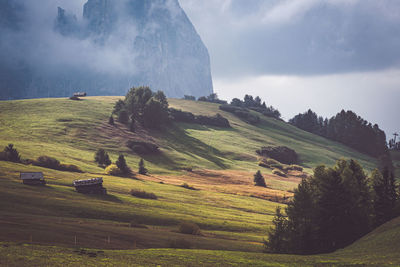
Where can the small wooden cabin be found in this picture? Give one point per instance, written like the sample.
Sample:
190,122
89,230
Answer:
32,178
80,94
90,186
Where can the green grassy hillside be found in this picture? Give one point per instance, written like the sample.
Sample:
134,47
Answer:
72,130
233,214
379,248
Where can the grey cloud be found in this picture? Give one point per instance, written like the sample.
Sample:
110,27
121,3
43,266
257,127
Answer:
299,37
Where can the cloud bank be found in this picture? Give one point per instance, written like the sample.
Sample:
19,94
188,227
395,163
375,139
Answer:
300,37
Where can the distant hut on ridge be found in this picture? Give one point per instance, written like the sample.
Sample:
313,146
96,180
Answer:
32,178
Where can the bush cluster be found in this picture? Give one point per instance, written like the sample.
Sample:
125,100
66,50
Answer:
53,163
187,186
142,194
188,117
189,228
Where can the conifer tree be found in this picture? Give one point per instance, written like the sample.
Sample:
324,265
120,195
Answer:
142,169
259,179
121,164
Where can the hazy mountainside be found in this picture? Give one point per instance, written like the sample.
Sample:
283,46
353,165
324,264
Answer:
115,45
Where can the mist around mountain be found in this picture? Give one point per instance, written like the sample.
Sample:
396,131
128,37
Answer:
49,51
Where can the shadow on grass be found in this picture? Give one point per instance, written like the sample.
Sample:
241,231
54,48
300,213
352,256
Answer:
178,139
107,197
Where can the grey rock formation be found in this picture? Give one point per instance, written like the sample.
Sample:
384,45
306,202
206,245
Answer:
116,44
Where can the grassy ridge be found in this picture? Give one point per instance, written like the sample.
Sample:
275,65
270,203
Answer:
379,248
72,130
224,160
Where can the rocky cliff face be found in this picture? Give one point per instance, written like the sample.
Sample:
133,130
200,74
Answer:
117,44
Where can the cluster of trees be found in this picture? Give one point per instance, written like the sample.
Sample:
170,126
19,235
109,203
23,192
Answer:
213,98
256,104
333,208
242,113
184,116
347,128
120,167
141,105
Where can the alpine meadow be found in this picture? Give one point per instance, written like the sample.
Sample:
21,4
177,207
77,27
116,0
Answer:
180,133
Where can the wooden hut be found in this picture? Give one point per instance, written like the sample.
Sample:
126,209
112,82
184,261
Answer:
32,178
90,186
80,94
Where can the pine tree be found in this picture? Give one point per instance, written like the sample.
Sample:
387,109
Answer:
259,179
384,197
132,126
102,158
111,120
142,169
121,164
11,153
278,236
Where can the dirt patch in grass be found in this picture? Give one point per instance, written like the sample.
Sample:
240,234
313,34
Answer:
232,182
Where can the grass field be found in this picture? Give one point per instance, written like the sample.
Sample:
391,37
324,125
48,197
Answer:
233,214
379,248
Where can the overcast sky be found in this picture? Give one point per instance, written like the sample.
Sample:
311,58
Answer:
326,55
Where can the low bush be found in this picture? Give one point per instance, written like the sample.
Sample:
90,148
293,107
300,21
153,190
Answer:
53,163
282,154
74,98
189,228
188,168
296,168
180,243
141,147
263,164
185,185
188,117
113,170
279,173
142,194
134,224
277,166
70,168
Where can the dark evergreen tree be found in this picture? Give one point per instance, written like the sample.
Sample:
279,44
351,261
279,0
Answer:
154,115
303,227
142,168
121,164
132,126
102,158
123,116
11,154
259,179
278,236
119,105
384,196
111,120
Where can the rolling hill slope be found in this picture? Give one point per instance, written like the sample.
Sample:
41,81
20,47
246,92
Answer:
232,213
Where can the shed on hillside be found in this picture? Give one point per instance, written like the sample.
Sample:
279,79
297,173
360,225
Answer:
32,178
90,186
80,94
